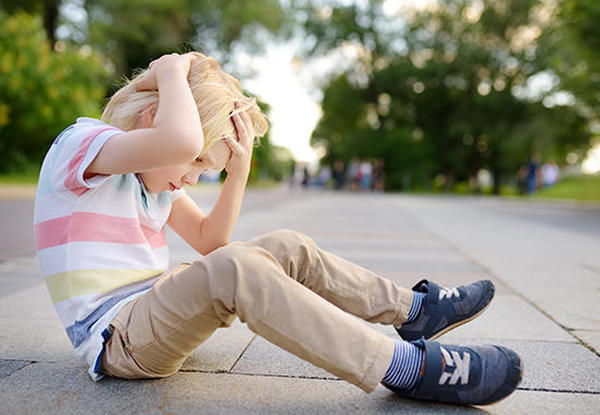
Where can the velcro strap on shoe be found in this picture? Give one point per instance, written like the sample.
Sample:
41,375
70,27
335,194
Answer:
433,364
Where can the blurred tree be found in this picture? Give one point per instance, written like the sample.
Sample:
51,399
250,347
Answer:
40,92
268,161
49,9
452,84
577,45
133,32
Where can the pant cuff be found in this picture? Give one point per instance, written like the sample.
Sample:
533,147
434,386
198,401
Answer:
381,361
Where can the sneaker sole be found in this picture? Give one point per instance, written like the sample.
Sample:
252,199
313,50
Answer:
461,322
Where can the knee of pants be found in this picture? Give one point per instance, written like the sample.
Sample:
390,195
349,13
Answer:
228,267
286,243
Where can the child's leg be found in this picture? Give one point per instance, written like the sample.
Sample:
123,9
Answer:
431,310
155,333
350,287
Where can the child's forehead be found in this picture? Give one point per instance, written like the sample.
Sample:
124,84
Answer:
218,147
218,152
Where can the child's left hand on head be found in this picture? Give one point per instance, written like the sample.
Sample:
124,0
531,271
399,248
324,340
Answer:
241,146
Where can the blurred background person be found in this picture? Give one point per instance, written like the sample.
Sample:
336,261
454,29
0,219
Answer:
532,177
338,174
378,183
353,173
366,175
305,177
550,173
323,177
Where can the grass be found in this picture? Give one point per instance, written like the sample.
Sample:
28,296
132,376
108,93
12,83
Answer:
582,188
19,179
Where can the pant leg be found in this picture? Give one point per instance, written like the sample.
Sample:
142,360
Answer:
155,333
350,287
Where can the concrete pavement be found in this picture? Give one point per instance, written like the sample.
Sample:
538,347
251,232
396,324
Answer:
543,258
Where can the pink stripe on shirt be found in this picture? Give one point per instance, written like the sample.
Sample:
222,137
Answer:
71,182
95,227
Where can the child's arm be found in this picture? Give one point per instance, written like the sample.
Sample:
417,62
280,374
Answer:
206,234
176,134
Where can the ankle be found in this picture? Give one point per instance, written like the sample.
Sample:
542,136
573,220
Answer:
416,306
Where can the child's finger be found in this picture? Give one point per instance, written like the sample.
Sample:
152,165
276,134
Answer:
240,126
235,147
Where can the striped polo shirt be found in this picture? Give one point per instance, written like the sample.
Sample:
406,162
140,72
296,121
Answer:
100,242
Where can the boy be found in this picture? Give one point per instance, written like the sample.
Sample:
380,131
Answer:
107,188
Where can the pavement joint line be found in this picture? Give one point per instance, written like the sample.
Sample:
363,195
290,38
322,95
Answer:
488,271
26,363
558,390
494,339
272,375
268,375
242,353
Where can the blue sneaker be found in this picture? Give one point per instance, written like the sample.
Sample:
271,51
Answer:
474,375
446,308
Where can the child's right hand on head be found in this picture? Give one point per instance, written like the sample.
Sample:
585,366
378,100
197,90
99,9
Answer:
166,63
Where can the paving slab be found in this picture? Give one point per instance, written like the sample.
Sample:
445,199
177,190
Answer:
220,352
60,389
509,317
36,340
533,257
8,367
547,253
32,302
264,358
377,262
548,365
555,366
391,246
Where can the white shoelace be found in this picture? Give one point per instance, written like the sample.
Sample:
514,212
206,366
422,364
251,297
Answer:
460,365
448,293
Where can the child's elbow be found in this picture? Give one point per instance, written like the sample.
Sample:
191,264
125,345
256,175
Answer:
205,250
188,144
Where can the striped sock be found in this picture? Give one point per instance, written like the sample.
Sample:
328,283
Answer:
415,306
406,365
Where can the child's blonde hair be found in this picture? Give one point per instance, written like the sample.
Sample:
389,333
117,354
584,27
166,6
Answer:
214,91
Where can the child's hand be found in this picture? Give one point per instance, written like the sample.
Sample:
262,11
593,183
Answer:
163,64
240,146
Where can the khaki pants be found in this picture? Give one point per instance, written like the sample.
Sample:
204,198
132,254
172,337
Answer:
285,288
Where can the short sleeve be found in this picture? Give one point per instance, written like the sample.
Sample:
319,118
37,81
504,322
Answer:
75,150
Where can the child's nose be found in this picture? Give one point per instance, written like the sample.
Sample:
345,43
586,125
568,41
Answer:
192,178
189,179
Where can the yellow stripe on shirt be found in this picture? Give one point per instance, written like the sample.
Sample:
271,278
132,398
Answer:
71,284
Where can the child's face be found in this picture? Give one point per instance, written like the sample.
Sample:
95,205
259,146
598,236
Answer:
172,178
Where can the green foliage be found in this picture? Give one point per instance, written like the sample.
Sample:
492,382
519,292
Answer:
446,101
41,92
269,162
577,44
133,32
